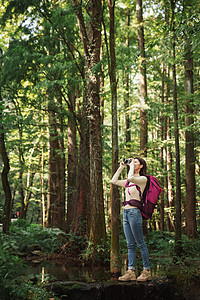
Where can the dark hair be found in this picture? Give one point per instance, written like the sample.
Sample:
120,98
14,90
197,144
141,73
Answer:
143,170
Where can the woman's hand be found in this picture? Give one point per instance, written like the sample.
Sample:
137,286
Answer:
122,164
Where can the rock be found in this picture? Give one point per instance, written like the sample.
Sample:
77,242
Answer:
153,290
36,261
36,252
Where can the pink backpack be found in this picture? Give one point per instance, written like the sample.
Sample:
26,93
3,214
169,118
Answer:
149,196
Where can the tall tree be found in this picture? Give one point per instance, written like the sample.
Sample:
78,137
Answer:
56,163
56,176
190,201
127,84
6,167
176,133
72,166
114,193
5,171
162,150
83,205
170,187
5,183
142,79
90,32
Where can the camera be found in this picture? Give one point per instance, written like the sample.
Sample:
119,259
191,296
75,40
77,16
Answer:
127,161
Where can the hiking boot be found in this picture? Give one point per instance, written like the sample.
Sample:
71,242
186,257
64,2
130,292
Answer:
145,276
129,275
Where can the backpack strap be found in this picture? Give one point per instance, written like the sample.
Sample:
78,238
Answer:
127,185
134,202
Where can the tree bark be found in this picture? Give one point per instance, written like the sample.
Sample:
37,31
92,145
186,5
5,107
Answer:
6,187
163,133
72,165
190,201
142,80
83,209
127,83
91,40
143,87
170,187
56,176
115,265
22,214
4,177
178,247
4,174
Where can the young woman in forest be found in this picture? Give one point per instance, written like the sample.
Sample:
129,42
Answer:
132,218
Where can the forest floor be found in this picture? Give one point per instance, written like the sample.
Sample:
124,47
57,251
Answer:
36,256
72,277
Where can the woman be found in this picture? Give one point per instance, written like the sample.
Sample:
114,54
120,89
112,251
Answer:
132,218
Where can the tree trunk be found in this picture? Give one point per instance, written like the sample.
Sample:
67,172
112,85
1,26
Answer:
72,165
178,247
4,177
170,187
115,265
6,187
163,131
22,214
142,80
143,87
83,208
91,40
56,179
190,202
126,97
42,182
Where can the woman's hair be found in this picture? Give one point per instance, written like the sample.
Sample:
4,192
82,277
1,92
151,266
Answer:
143,170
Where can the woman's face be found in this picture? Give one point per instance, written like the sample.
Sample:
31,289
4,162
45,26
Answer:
137,165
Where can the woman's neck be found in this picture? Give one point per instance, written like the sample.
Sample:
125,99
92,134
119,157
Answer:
136,174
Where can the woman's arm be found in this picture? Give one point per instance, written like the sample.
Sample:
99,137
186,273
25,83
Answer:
138,180
131,169
115,179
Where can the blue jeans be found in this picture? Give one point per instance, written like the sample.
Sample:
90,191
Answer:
132,223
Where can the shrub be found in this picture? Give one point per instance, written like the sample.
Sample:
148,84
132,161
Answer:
23,235
13,285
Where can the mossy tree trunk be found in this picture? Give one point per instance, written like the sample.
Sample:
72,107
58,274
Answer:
4,177
178,247
114,194
72,164
190,201
56,176
90,31
142,79
127,86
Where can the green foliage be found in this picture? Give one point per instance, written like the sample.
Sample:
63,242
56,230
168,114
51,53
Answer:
79,248
96,255
13,284
24,235
160,242
161,247
184,276
163,243
191,247
43,51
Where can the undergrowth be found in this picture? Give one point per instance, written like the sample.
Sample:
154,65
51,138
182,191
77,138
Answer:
23,237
